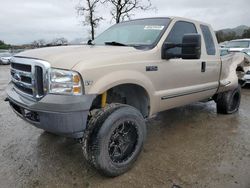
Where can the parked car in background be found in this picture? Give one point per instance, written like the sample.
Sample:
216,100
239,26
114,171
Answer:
238,45
5,58
247,52
243,71
246,77
224,51
223,44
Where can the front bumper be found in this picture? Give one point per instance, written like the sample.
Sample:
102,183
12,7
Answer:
59,114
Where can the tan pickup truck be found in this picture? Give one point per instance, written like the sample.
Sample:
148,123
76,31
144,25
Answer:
103,92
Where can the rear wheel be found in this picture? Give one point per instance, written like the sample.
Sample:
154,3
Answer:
229,102
116,139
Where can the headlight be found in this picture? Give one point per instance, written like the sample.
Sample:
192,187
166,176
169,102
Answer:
65,82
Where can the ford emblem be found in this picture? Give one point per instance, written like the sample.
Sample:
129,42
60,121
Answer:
17,77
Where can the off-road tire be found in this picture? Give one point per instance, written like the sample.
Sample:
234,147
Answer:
95,116
104,127
229,102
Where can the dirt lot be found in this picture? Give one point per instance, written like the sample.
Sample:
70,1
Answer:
190,146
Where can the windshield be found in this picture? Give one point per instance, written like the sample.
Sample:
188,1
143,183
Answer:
238,44
144,32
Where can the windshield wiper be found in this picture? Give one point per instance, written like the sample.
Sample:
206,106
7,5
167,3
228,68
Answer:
113,43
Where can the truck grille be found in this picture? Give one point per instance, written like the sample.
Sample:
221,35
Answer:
28,77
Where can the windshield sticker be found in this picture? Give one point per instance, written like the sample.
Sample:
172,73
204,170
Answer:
154,27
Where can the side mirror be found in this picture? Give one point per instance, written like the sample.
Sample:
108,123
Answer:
190,48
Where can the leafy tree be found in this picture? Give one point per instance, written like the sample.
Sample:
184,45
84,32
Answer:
87,9
246,33
222,36
4,46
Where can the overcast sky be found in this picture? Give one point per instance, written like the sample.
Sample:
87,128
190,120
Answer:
22,21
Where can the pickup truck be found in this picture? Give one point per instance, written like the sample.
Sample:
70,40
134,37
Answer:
103,92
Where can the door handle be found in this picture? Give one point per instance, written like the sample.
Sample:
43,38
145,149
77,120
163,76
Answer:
203,66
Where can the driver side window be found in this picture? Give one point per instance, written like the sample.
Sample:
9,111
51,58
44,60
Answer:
176,34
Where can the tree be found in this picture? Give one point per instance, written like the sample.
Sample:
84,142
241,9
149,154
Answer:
223,36
220,36
38,43
87,9
246,33
4,46
2,42
122,9
59,42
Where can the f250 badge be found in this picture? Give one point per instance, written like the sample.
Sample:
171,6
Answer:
151,68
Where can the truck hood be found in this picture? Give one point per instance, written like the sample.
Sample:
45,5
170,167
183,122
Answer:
66,57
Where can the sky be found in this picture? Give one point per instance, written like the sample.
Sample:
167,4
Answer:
23,21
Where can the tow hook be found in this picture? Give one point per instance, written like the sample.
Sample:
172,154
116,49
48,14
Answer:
6,99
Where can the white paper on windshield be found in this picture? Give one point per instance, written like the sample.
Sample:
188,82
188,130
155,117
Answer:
154,27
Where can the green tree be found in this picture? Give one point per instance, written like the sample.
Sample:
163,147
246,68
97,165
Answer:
4,46
246,33
220,36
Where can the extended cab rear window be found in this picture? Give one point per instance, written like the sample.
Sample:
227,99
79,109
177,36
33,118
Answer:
209,41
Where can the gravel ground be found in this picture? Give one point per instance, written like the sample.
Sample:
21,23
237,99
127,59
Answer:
191,146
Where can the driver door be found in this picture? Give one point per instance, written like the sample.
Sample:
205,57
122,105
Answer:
185,78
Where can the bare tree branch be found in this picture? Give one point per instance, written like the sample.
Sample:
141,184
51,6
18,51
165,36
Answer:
87,10
123,9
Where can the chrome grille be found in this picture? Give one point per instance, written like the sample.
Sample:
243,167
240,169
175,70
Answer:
29,77
22,79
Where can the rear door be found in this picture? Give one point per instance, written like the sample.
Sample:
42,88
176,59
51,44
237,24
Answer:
210,56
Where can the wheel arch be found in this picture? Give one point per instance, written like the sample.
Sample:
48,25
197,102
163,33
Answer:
133,85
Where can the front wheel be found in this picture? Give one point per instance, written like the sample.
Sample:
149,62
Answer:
117,139
229,102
